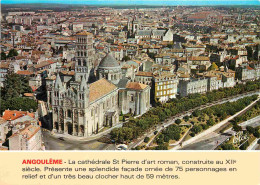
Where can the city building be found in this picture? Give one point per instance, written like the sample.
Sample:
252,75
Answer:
165,86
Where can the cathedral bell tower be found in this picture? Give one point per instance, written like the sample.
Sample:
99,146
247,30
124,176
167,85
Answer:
84,55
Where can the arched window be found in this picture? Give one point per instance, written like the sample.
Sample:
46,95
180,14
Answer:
69,113
84,63
79,62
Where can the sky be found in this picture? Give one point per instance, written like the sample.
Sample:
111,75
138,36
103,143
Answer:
139,2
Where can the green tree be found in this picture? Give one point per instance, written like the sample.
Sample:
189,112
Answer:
250,129
17,103
126,58
210,122
162,147
178,121
14,86
186,118
228,146
3,56
196,113
12,53
256,134
146,139
196,129
237,128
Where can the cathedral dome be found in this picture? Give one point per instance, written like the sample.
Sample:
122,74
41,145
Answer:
108,61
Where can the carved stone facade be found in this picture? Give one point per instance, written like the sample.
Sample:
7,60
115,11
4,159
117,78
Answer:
79,108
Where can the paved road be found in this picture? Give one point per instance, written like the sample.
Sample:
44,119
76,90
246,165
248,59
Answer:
53,143
209,142
254,122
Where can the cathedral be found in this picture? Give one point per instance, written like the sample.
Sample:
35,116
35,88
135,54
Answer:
81,108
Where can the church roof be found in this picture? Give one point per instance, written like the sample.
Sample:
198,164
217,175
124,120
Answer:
136,86
108,61
99,89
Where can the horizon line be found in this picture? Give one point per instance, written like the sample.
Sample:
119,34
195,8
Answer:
138,3
117,4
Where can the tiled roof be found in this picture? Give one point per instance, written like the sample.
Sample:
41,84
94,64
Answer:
136,86
4,65
29,131
14,114
44,63
143,73
199,58
99,89
25,72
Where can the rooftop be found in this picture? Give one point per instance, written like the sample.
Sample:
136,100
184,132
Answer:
28,132
99,89
136,86
108,61
14,114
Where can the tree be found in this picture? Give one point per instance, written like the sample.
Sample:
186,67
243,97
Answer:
250,129
192,134
3,56
257,134
12,53
244,146
14,86
146,139
210,122
237,128
17,103
162,147
196,113
160,139
178,121
186,118
196,129
228,146
126,58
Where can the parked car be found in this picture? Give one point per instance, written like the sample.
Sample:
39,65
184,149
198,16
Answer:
121,147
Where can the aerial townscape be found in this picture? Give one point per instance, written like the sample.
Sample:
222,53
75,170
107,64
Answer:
80,77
